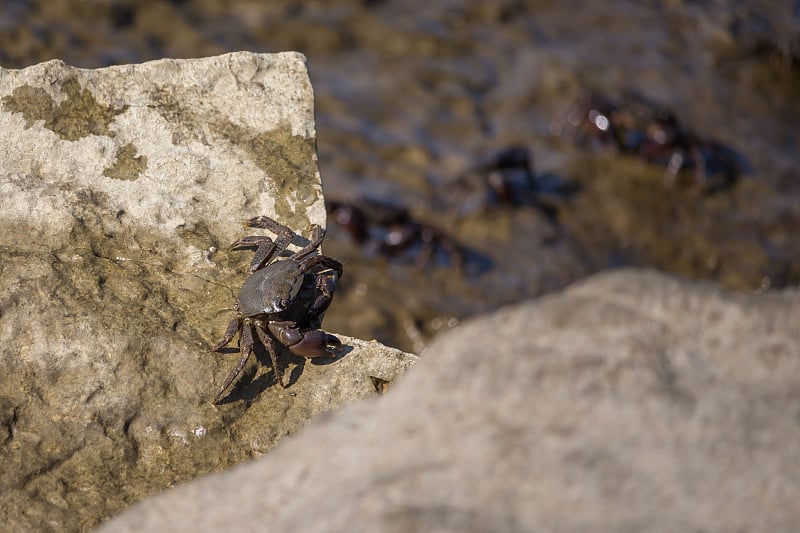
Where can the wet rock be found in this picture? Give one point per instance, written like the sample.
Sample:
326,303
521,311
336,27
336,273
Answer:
121,188
631,401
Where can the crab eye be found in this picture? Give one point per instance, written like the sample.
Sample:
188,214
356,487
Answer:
284,303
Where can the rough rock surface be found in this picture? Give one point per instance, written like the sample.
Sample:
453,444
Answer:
629,402
119,185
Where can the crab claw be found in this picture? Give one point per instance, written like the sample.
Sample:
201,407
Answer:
311,343
316,343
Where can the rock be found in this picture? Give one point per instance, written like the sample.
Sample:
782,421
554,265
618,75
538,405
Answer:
119,187
629,402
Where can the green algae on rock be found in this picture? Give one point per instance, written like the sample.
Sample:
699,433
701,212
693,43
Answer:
291,163
128,166
77,115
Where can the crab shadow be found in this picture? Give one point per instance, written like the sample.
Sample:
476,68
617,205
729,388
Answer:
248,387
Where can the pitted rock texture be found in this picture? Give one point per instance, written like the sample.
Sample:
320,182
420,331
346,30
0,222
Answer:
629,402
122,188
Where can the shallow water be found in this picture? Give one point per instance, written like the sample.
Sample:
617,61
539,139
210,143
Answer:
412,95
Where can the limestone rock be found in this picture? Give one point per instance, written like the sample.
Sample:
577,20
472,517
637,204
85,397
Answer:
120,185
629,402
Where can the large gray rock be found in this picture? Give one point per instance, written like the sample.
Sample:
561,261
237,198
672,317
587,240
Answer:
629,402
119,185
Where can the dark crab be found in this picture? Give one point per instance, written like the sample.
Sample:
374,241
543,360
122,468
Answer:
638,126
390,230
506,179
283,299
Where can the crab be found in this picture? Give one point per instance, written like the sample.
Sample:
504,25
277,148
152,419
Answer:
509,177
638,126
390,229
283,299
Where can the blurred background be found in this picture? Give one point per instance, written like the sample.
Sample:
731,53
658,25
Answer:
474,154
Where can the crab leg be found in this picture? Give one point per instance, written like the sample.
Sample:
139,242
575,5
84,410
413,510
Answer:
251,241
246,342
233,327
265,249
325,261
325,286
316,239
269,344
266,252
284,234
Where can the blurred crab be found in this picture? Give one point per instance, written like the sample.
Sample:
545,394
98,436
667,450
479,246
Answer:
390,230
635,125
282,299
507,178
